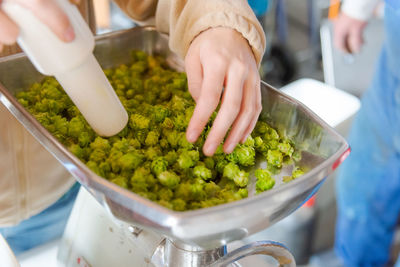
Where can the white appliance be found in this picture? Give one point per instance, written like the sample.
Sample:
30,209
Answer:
93,238
7,257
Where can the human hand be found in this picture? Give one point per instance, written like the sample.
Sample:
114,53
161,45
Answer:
221,57
47,11
348,33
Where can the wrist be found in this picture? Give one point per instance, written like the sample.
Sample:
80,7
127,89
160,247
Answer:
361,10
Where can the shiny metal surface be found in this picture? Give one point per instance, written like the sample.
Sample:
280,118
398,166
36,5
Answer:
168,254
274,249
207,228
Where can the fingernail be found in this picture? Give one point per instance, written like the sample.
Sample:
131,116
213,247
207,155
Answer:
209,149
244,139
69,34
230,148
191,136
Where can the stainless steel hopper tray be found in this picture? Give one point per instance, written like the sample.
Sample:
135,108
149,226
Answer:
323,150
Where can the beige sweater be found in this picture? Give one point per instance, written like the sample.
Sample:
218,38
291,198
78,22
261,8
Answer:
30,178
183,20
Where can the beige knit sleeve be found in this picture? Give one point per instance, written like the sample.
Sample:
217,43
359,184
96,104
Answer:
138,10
183,20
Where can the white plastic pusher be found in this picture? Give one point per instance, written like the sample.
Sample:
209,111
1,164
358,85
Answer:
72,64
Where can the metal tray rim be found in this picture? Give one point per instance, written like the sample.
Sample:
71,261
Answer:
26,118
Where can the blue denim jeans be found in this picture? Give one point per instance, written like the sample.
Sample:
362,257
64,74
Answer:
43,227
368,185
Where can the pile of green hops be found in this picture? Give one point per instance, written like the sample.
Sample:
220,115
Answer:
151,156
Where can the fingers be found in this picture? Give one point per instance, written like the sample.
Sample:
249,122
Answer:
47,11
52,15
340,37
194,73
258,106
348,33
230,107
245,116
8,30
208,99
355,41
209,67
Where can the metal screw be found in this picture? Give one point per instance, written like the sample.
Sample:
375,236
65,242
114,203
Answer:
135,230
